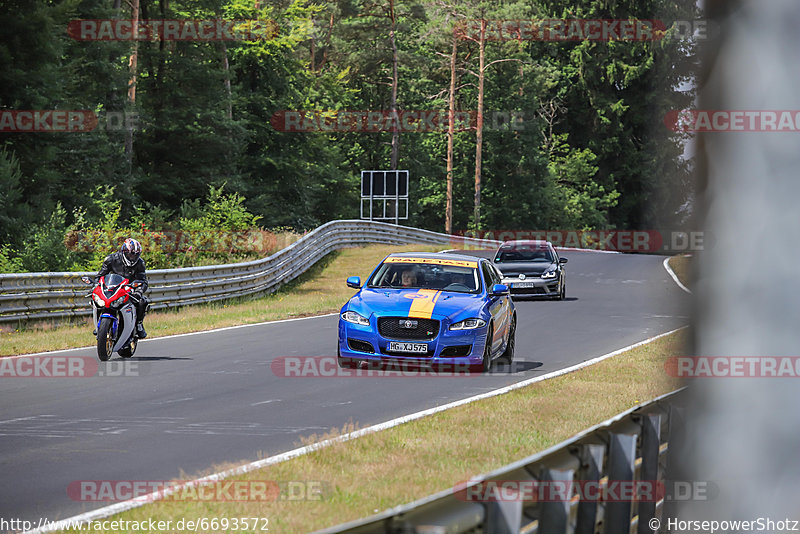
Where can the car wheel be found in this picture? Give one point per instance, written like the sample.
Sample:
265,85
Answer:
508,355
486,363
563,291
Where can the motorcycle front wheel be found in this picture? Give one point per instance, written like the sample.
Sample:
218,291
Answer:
105,339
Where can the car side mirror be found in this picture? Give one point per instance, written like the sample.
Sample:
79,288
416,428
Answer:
562,260
499,290
354,282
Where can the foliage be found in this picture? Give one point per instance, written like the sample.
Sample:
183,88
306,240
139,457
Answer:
199,152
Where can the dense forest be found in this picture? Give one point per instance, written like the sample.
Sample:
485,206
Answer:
559,133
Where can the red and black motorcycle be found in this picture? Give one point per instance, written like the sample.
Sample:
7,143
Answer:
114,313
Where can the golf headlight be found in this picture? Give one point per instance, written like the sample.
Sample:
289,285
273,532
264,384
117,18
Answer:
549,274
468,324
98,301
355,318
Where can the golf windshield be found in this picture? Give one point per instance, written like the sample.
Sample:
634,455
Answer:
528,253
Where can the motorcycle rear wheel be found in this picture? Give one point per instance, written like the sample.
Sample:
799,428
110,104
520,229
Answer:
128,351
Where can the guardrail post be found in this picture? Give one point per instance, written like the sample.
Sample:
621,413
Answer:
651,442
555,512
591,457
677,452
503,517
621,465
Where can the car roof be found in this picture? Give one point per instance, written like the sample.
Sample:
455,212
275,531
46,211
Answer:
435,255
538,242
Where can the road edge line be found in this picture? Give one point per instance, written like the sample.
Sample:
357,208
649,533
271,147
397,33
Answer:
675,276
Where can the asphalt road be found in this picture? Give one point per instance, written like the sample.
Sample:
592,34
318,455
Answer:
190,402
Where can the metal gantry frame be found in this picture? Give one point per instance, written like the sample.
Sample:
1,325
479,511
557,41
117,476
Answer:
384,187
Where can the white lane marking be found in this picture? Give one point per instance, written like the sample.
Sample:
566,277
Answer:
170,401
265,402
20,419
180,335
144,499
674,276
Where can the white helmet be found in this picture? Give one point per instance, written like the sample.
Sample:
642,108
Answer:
131,251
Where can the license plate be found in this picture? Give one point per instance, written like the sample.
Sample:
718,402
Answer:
523,284
416,348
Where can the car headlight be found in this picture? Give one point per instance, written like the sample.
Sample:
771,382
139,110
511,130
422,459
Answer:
98,301
468,324
550,274
356,318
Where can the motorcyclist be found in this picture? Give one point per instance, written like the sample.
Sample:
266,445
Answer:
127,262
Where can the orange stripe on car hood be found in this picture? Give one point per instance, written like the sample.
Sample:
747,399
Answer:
423,303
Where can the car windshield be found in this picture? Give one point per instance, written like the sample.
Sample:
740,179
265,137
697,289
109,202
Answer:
525,253
113,279
460,279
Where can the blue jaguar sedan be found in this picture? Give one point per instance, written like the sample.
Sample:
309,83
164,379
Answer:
429,309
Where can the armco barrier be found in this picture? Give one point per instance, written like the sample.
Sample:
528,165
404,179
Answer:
36,296
637,446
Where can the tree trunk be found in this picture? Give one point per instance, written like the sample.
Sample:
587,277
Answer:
227,68
479,126
448,221
395,119
132,67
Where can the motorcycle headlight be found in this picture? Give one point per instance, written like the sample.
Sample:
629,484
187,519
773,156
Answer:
98,301
118,302
549,274
468,324
355,318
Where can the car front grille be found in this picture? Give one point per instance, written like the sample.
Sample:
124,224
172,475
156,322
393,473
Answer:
407,328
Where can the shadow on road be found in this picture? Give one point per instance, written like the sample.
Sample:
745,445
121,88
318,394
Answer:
502,368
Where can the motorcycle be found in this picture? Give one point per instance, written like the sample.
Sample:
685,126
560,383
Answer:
114,315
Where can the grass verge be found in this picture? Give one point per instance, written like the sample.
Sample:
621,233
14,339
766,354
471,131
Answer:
320,290
381,470
682,267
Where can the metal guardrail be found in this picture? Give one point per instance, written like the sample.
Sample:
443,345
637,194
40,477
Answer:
36,296
638,445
